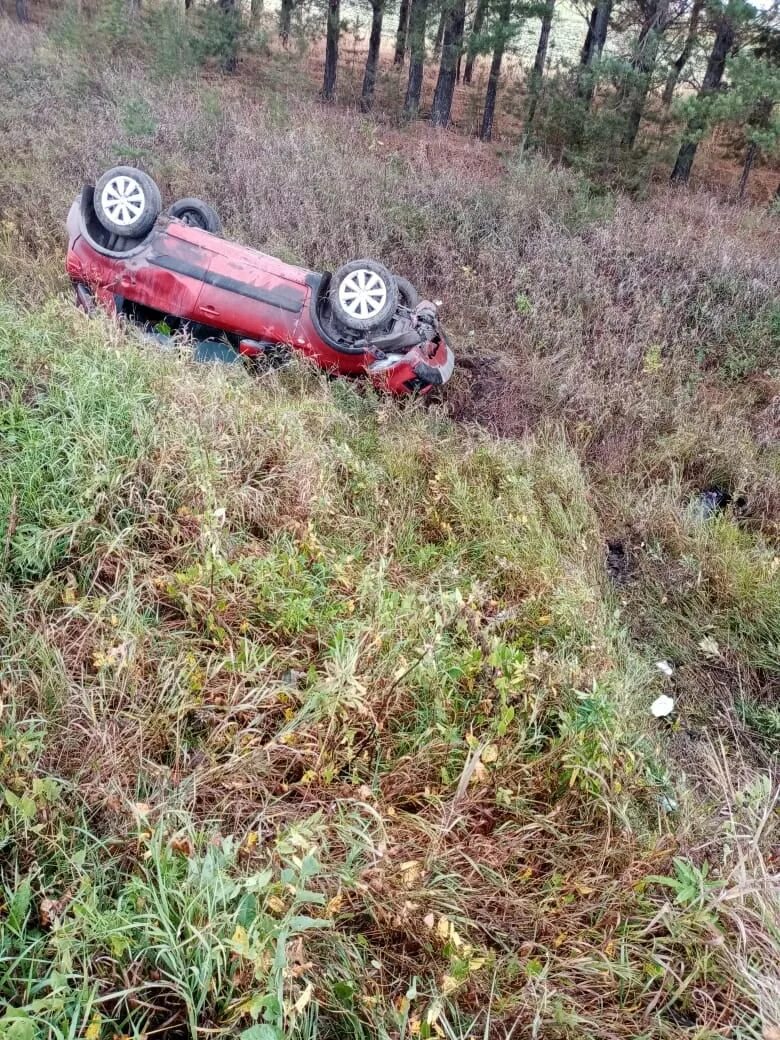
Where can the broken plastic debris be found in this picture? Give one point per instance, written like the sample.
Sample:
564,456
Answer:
662,706
665,668
710,502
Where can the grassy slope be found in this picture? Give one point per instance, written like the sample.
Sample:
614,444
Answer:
324,712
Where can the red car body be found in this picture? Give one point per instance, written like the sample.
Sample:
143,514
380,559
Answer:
251,299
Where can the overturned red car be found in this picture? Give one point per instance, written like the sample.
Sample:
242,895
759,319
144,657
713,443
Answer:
175,271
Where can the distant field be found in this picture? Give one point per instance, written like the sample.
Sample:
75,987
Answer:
567,33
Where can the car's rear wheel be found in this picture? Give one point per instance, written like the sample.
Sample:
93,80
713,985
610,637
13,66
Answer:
127,202
363,295
198,214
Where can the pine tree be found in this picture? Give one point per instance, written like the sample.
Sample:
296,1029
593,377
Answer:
285,20
751,103
475,41
372,58
230,30
418,17
683,57
727,18
501,34
331,49
452,44
539,62
402,33
655,21
592,48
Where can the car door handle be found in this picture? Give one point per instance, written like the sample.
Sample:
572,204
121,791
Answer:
208,309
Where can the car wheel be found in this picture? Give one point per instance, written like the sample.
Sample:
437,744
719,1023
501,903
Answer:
127,202
407,294
197,214
363,295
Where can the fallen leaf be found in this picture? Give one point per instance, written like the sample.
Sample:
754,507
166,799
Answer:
181,846
448,985
434,1011
445,930
94,1029
334,904
50,909
489,754
411,872
709,646
304,998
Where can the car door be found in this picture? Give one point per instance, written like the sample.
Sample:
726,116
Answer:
168,277
252,295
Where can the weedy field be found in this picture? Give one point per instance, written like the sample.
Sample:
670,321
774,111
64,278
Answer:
326,717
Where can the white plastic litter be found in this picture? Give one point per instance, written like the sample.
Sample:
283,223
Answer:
662,706
665,667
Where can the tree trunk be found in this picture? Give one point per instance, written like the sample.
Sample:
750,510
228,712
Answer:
540,61
476,29
331,49
417,19
440,28
187,4
592,48
586,47
231,15
451,48
502,31
716,64
401,33
255,10
643,63
22,11
285,20
683,57
372,59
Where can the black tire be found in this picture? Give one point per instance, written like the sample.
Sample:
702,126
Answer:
198,214
127,202
363,295
407,294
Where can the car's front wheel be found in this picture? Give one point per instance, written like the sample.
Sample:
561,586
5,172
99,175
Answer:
363,295
127,202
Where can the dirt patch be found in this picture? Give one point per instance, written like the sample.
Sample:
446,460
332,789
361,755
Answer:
496,393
